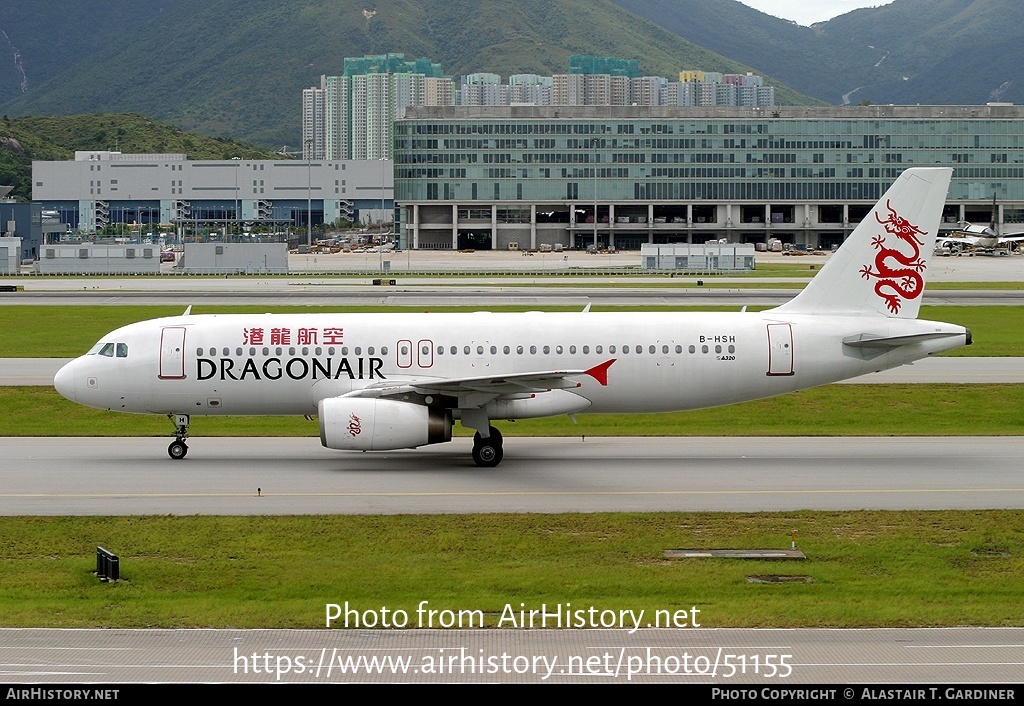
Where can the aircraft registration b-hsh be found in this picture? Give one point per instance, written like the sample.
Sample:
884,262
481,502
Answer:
393,381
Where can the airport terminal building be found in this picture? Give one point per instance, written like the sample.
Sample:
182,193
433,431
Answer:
104,188
522,176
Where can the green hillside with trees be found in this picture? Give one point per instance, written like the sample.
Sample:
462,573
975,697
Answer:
237,67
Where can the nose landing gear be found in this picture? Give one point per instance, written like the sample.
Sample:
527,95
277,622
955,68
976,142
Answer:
178,448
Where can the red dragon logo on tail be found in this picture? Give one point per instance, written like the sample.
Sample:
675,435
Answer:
898,273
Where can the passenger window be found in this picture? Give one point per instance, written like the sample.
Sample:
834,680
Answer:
453,350
547,349
479,350
611,349
533,350
494,350
122,350
519,350
107,350
383,350
586,349
465,350
693,349
558,350
369,351
572,350
598,349
625,350
506,350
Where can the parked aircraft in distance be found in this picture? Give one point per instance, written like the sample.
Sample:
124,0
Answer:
391,381
979,240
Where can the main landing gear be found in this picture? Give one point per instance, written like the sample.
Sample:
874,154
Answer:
487,451
178,447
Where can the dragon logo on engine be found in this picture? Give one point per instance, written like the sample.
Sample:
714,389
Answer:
354,426
898,273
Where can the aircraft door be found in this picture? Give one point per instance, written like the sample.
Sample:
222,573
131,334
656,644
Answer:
404,350
480,358
666,353
425,353
172,353
780,349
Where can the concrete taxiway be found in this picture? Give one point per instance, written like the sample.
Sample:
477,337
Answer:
270,476
332,296
776,661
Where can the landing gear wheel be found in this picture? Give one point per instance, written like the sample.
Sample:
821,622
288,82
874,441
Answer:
177,449
495,437
487,454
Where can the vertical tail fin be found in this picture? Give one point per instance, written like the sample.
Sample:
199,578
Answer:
882,266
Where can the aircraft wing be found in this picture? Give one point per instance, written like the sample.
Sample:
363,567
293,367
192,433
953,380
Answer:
488,385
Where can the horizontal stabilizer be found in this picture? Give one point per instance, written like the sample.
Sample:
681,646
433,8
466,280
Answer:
868,340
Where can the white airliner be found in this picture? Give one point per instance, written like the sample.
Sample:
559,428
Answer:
392,381
984,240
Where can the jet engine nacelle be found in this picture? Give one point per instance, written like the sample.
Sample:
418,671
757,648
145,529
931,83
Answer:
362,424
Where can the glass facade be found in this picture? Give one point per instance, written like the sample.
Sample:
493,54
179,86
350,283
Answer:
737,158
630,156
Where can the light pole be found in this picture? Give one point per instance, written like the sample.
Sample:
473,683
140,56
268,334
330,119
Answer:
309,192
238,208
593,142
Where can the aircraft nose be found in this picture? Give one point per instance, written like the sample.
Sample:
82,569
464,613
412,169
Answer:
64,381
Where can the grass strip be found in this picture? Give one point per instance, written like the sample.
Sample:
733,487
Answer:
68,331
834,410
879,569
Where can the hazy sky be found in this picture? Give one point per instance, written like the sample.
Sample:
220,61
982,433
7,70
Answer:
807,12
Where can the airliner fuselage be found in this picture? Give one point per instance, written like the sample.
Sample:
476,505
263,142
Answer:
388,381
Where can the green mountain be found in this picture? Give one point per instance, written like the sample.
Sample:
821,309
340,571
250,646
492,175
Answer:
907,52
237,67
23,140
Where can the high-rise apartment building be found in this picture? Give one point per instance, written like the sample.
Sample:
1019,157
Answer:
350,116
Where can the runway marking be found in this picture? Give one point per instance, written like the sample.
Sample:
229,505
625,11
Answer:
505,493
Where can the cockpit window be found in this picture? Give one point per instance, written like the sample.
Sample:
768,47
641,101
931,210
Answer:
122,350
107,350
95,349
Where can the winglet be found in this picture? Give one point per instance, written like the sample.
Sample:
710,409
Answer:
188,310
600,372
